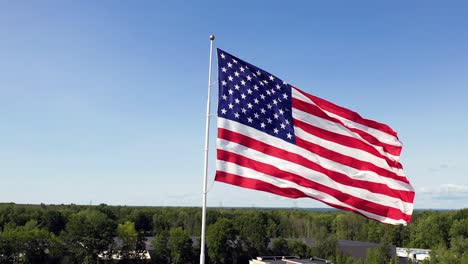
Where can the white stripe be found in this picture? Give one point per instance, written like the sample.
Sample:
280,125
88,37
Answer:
326,163
315,176
252,174
382,136
337,128
348,151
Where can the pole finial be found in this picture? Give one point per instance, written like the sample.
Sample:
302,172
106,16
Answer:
212,37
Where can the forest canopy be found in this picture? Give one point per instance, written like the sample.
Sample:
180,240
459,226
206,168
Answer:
78,233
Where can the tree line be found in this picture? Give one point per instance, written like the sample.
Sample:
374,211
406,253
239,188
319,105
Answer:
78,234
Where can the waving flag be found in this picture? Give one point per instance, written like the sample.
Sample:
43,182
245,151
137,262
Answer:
273,137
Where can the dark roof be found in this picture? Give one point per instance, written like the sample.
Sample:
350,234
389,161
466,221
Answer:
355,249
358,249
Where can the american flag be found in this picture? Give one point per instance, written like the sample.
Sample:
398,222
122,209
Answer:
273,137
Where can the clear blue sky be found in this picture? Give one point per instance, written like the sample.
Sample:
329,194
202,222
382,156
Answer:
104,101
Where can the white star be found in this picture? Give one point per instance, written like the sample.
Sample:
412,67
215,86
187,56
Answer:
276,130
273,91
230,91
278,87
230,78
223,111
236,74
250,120
243,96
256,115
275,102
256,101
268,92
271,78
237,86
237,100
231,106
224,82
269,120
249,78
289,135
285,96
281,111
236,115
262,125
285,83
249,91
242,69
229,65
233,60
223,56
249,105
255,87
287,121
263,110
224,97
243,82
276,116
243,110
269,106
224,69
262,96
259,73
262,84
283,126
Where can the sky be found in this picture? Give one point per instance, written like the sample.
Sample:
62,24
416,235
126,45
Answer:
105,101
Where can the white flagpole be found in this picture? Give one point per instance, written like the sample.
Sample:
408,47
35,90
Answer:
207,140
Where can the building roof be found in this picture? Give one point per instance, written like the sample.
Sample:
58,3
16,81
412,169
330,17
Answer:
287,260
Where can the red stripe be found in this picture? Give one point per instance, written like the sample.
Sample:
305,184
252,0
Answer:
299,159
287,192
258,165
348,114
316,111
345,141
348,160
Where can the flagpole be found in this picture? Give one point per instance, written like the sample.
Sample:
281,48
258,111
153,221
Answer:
207,139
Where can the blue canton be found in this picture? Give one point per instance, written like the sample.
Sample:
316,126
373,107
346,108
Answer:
254,97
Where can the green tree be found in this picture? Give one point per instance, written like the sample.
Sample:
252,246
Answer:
443,255
279,247
180,246
380,255
253,232
160,223
431,230
298,248
161,248
128,234
326,244
36,241
10,244
221,241
54,221
89,233
28,243
143,221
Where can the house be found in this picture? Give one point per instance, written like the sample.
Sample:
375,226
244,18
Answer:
287,260
416,255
